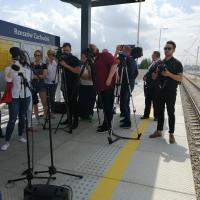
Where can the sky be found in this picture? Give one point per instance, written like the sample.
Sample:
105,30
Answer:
114,25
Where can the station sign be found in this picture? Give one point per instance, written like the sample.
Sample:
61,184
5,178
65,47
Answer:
11,30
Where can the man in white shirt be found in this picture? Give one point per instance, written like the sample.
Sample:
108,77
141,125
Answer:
19,100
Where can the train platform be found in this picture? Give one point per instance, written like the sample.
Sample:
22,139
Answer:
148,169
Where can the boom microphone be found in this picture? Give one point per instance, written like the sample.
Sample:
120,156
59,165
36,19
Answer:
15,52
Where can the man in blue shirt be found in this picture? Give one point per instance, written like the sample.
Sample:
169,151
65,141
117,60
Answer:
127,83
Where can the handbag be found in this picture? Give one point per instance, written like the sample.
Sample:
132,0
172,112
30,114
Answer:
7,96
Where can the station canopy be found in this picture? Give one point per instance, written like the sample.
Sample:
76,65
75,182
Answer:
97,3
85,6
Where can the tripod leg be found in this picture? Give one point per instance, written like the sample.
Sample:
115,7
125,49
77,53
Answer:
18,179
53,178
59,123
65,173
41,172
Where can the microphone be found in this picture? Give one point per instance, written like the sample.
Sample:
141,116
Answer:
15,52
15,67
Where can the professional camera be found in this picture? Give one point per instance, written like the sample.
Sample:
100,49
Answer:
59,55
136,52
161,66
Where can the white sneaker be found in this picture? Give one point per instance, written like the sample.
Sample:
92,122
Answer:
5,146
21,139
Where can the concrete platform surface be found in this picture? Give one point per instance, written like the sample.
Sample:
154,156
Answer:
149,169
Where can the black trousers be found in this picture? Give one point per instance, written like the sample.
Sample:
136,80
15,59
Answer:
71,98
107,98
151,96
86,100
168,99
125,101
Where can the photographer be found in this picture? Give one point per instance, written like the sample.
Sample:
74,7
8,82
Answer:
170,75
39,75
71,65
105,71
87,92
126,61
17,106
151,87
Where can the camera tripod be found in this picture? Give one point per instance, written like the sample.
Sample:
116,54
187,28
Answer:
117,94
67,103
52,169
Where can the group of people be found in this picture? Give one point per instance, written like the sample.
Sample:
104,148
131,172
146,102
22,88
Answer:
82,81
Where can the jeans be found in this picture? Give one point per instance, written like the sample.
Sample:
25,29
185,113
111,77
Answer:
125,100
16,108
107,98
169,99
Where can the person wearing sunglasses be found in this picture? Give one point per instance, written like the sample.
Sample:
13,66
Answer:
170,77
38,84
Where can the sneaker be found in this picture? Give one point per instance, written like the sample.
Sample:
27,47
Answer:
102,129
125,125
21,139
171,139
156,134
5,146
144,117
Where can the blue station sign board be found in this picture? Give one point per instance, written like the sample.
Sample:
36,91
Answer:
8,29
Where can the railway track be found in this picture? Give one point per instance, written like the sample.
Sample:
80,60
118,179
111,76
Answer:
191,104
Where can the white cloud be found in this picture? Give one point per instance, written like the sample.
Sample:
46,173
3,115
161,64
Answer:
114,24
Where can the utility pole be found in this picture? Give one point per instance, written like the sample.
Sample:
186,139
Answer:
197,59
138,32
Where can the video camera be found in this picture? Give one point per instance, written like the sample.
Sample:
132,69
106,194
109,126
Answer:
59,55
161,66
136,52
89,54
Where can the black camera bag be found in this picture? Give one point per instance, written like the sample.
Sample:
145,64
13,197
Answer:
46,192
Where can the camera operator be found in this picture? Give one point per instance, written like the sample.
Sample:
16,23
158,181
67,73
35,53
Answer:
87,92
105,70
71,65
128,80
151,87
170,75
17,106
39,75
51,81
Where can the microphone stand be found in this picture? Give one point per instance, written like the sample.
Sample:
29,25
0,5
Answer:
28,173
52,169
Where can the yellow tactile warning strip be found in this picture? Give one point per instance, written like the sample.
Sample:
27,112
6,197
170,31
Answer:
108,184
